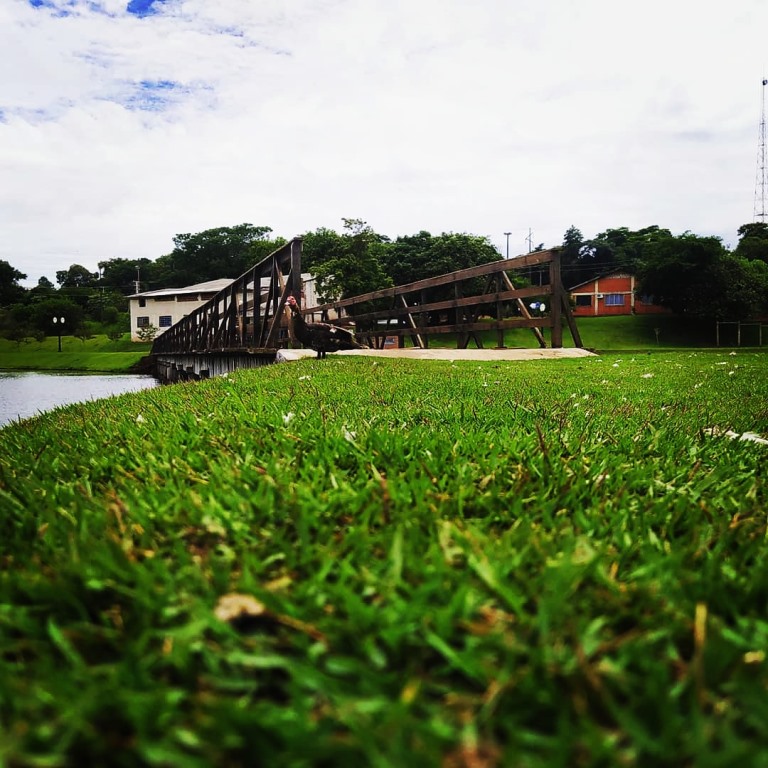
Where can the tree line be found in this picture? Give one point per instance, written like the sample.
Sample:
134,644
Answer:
691,274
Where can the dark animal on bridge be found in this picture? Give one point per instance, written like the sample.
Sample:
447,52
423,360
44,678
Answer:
322,337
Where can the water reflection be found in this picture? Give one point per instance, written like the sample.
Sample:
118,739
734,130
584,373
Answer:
24,394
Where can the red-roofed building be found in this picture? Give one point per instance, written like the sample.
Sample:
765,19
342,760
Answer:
612,294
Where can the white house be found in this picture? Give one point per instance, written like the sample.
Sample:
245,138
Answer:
166,306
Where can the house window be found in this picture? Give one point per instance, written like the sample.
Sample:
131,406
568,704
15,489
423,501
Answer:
142,302
165,321
583,300
614,299
646,299
142,322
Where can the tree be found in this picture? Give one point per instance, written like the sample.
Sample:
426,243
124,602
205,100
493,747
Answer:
10,290
76,276
15,323
43,288
696,276
348,264
104,306
41,315
318,247
620,248
408,258
571,257
748,283
86,330
224,252
753,242
416,257
121,274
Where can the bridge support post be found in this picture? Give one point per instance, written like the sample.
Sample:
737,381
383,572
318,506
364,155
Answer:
557,301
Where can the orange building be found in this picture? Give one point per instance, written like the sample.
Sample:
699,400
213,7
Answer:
612,294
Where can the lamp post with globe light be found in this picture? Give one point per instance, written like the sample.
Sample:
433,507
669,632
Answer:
59,323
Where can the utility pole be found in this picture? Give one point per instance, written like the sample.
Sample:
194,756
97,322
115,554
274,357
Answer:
529,240
507,234
138,279
760,182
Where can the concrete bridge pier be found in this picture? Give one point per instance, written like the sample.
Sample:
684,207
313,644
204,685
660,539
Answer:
193,366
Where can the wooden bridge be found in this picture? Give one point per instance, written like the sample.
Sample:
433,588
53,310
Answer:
242,326
245,324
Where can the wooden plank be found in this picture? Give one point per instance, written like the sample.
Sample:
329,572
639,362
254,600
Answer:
412,323
437,306
492,325
572,327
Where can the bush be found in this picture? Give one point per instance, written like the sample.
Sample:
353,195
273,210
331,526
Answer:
147,333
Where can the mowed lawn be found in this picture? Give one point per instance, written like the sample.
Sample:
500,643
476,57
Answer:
360,562
97,354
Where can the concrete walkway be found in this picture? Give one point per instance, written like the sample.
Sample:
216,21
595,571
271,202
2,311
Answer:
448,354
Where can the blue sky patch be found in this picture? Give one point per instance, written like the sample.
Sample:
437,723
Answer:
139,8
60,9
34,116
154,95
143,7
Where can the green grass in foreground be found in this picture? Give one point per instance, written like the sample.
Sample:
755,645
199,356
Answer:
549,563
98,354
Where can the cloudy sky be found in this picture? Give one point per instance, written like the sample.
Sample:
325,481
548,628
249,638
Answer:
125,123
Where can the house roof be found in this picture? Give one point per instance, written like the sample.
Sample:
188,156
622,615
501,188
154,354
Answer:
603,276
211,285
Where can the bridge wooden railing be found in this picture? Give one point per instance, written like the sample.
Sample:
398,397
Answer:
249,315
455,302
246,315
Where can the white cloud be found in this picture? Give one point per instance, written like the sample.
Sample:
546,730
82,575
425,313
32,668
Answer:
119,131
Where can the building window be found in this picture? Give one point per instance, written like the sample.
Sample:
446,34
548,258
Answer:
142,322
646,299
583,300
142,302
614,300
165,321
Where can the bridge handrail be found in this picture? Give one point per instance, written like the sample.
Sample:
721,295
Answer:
247,314
491,267
412,306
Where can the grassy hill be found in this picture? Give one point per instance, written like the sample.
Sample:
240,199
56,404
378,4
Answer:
630,332
98,354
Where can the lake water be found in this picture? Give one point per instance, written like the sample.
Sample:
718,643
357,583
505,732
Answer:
24,394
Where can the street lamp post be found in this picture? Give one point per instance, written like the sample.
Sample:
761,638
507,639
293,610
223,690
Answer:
507,234
59,323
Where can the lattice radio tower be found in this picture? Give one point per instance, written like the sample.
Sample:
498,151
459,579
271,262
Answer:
761,184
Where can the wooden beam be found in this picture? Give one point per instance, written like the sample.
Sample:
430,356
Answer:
412,323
